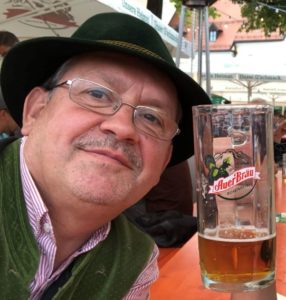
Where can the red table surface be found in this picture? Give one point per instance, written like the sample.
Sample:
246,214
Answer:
180,272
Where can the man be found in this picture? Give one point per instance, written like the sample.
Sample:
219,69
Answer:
7,41
279,131
100,113
8,126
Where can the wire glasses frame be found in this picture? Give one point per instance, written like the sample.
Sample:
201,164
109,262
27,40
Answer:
100,99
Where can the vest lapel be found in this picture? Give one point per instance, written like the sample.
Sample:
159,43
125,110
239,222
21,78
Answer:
17,241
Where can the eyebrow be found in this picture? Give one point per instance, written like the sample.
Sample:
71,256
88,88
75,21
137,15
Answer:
113,83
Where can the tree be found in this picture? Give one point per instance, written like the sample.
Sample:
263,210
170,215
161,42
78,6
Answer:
269,15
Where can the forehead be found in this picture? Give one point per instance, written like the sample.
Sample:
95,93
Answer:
121,72
124,64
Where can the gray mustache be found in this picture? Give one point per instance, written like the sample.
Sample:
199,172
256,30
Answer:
109,141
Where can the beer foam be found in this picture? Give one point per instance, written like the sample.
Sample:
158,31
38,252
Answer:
237,234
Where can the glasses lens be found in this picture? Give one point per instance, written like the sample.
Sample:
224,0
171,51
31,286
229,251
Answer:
155,123
100,99
94,96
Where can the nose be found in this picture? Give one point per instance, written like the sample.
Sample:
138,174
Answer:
121,123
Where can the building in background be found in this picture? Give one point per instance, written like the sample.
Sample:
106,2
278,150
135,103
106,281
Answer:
243,65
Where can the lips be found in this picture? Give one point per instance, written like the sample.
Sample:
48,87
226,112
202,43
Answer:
113,155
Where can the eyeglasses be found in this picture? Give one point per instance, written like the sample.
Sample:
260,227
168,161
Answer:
102,100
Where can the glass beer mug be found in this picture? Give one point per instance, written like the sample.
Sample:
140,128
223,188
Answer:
235,192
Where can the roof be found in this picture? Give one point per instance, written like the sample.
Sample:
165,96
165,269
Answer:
230,22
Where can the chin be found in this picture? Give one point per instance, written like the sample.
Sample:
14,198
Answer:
102,190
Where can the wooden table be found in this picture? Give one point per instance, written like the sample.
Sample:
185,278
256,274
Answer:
180,272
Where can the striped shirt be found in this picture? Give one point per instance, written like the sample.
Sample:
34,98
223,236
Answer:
43,231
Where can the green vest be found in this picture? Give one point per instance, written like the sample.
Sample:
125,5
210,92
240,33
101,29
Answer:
106,272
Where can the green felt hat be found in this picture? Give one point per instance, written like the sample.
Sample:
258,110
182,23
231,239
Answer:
30,63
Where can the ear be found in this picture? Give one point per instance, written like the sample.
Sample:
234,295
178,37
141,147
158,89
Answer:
35,102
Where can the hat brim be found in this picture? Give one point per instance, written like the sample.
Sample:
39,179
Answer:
32,62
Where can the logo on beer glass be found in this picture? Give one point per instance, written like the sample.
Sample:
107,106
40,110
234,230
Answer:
227,182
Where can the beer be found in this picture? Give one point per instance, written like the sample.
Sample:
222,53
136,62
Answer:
235,196
237,256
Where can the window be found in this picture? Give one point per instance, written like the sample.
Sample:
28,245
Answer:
213,36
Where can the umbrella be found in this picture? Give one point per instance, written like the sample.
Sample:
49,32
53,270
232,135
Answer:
37,18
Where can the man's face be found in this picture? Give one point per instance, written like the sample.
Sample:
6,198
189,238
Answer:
76,153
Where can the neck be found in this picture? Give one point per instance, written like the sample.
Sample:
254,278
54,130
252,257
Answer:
73,226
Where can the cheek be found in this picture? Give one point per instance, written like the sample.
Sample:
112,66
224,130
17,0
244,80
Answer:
65,124
51,137
155,158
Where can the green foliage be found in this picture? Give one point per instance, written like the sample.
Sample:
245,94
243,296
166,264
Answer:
213,12
177,4
268,15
